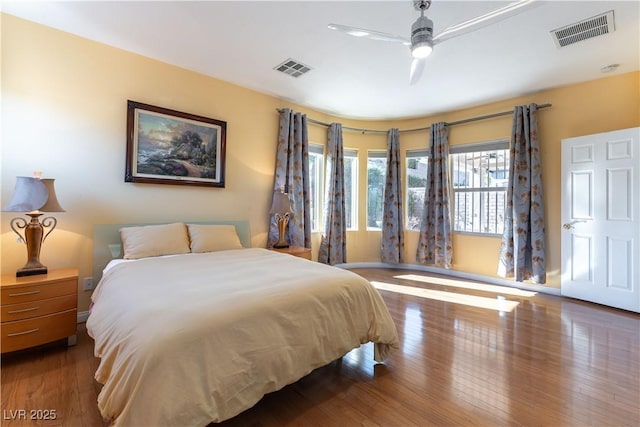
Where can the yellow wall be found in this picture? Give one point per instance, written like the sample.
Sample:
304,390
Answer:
64,106
64,112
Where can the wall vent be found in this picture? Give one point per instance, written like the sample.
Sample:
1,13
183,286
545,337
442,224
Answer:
588,28
292,67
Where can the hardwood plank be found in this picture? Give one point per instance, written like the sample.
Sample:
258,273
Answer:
549,361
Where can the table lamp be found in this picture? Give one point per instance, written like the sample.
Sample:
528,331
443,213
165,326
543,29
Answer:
33,196
281,210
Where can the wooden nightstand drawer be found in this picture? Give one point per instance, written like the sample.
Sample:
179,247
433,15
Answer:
27,333
38,309
30,309
295,251
19,294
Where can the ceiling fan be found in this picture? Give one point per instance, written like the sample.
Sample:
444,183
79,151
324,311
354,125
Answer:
422,39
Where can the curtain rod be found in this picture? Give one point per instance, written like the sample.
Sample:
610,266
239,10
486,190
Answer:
457,122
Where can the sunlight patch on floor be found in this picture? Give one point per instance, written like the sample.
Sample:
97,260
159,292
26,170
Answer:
465,284
497,304
412,342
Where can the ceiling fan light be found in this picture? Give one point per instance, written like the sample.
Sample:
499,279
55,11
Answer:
422,37
421,50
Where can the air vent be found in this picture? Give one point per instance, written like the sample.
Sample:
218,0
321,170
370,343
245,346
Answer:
583,30
293,68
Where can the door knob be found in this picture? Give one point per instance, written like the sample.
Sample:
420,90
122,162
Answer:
569,225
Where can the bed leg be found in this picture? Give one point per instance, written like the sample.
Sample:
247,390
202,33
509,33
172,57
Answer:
71,340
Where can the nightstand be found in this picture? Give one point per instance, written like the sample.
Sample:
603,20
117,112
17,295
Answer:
38,309
295,251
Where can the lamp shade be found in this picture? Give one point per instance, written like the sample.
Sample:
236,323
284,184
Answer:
29,194
33,194
281,203
52,204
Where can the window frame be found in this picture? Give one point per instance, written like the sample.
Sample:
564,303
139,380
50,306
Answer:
375,154
501,144
353,154
409,155
317,150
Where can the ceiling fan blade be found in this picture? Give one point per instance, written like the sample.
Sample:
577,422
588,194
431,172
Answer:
417,65
370,34
487,19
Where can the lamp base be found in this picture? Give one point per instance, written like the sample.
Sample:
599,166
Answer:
283,220
31,271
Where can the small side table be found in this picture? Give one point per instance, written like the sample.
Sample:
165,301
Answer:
295,251
38,309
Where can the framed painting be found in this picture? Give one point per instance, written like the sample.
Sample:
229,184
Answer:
171,147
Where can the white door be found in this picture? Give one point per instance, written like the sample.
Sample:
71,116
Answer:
601,218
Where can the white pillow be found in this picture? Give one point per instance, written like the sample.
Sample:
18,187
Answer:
211,238
154,240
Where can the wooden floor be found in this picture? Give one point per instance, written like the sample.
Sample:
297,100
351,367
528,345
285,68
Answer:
490,358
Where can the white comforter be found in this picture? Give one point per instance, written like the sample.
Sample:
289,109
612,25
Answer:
199,338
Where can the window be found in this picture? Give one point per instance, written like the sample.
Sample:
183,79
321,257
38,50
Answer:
479,175
416,174
376,175
316,168
351,188
316,186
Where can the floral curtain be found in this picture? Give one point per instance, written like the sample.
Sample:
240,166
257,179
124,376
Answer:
292,177
333,246
434,243
392,219
522,252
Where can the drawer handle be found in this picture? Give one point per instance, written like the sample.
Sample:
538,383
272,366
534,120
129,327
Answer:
24,293
23,333
23,310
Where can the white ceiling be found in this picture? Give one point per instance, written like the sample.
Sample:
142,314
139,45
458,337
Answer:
241,42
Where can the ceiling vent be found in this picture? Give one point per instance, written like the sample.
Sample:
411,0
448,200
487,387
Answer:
292,67
588,28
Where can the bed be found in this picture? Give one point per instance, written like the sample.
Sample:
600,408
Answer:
199,336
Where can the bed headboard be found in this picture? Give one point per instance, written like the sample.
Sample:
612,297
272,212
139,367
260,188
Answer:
106,238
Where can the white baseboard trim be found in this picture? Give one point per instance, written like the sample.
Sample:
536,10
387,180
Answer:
83,316
459,274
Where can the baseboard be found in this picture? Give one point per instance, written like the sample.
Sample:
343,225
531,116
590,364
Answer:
83,316
459,274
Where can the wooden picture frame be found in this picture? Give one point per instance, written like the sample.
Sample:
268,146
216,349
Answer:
172,147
